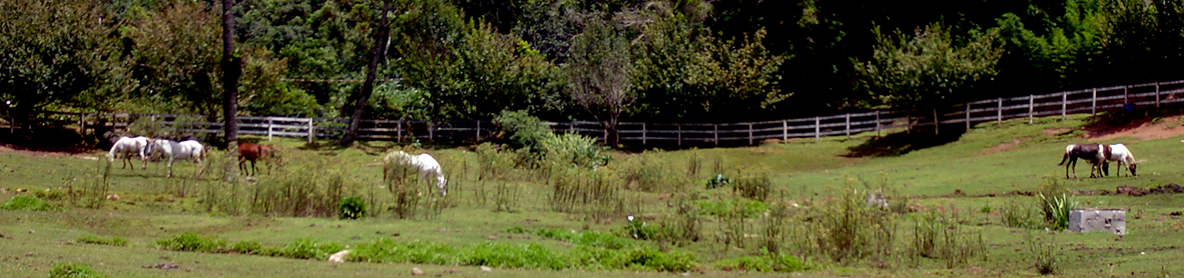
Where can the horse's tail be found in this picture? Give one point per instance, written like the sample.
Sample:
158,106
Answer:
1063,159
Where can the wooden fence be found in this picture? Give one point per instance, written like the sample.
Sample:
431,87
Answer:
1063,103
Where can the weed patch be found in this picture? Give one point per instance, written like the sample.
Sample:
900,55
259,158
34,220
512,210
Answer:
115,240
192,242
73,270
26,202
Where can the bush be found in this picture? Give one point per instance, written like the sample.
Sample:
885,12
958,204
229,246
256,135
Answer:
117,241
1059,208
26,202
574,150
307,248
72,270
508,256
353,208
192,242
249,247
523,130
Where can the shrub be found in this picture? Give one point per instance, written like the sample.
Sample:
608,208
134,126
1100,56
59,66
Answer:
508,256
1017,215
307,248
1059,208
787,263
26,202
249,247
117,241
523,130
1044,254
192,242
72,270
353,207
574,150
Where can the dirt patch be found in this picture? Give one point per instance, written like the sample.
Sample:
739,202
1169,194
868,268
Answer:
1005,146
1055,131
1142,130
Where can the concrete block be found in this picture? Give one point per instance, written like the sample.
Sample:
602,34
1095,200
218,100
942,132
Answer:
1088,220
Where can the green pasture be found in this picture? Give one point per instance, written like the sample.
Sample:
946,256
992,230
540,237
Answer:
969,178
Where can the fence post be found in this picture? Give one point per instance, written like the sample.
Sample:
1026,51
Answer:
968,116
877,123
311,131
749,134
1125,94
1031,100
1156,94
643,134
679,134
715,134
817,129
848,125
999,110
478,138
431,131
1064,103
784,131
399,131
1094,104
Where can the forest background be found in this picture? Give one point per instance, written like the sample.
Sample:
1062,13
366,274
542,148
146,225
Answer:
611,60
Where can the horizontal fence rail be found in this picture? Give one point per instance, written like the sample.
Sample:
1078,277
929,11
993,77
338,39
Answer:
1092,101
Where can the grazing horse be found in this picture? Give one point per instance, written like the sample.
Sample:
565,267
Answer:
1092,153
1119,152
128,146
252,152
424,163
173,150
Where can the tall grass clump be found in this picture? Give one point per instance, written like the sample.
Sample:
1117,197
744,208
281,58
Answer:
937,235
1044,251
192,242
1015,214
850,230
26,202
115,240
596,195
766,263
756,185
314,188
73,270
648,172
493,162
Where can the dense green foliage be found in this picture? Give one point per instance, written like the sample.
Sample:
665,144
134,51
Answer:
606,60
72,270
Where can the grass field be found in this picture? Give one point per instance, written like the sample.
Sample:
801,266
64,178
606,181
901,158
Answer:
966,180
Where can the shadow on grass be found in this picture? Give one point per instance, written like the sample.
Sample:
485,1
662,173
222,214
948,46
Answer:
1112,122
901,143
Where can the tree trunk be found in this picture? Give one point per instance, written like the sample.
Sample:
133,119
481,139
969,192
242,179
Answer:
361,97
232,69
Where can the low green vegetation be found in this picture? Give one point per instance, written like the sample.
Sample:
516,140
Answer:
73,270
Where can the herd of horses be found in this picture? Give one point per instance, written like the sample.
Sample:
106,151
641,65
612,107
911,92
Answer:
1098,156
168,150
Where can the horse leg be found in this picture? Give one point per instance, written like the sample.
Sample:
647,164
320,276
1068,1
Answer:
170,166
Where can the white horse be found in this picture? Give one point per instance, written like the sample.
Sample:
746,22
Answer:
1119,152
128,146
172,150
424,163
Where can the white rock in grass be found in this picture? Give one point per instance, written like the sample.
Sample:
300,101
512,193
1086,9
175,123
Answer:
416,271
338,257
486,269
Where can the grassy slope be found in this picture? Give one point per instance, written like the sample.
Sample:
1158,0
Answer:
151,209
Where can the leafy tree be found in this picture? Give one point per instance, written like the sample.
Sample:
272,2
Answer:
683,72
56,54
465,69
177,57
926,70
600,73
362,96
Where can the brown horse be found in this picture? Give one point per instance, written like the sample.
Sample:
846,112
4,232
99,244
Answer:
252,152
1092,153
